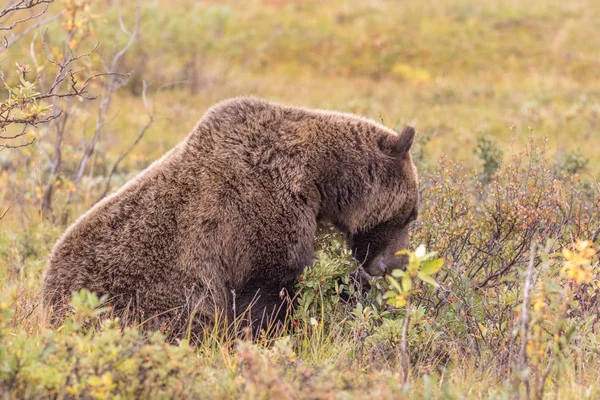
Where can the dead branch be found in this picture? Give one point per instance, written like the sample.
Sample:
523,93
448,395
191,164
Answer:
12,40
15,146
18,135
4,122
24,5
131,146
525,320
106,101
8,209
81,92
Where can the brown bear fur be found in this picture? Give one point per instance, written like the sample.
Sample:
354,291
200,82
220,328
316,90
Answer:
228,217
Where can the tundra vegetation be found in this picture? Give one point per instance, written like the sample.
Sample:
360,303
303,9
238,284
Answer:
501,295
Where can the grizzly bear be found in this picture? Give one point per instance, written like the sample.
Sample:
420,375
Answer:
225,222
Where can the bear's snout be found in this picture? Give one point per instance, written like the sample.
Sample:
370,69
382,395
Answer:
399,261
377,267
385,264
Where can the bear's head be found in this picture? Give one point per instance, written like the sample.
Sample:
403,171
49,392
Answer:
380,222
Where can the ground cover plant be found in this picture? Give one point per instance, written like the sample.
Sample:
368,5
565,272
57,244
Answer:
500,299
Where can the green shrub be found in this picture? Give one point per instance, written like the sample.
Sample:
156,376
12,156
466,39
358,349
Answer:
490,156
571,163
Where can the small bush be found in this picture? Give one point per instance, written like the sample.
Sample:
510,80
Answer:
571,163
490,156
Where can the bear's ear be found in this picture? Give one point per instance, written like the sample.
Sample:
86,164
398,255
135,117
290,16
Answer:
397,146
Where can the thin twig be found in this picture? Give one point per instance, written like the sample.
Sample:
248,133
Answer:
8,209
105,104
16,146
405,359
525,315
8,42
128,150
23,5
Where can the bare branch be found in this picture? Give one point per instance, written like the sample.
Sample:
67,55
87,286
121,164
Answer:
130,148
10,146
82,91
20,21
89,53
105,104
405,357
525,319
24,5
132,36
15,38
15,136
4,122
8,208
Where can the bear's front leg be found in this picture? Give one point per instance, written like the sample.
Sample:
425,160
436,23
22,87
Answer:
263,306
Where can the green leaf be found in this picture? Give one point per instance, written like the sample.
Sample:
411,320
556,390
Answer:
413,266
427,279
407,283
398,273
394,283
428,256
433,266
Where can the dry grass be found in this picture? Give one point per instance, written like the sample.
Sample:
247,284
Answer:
457,70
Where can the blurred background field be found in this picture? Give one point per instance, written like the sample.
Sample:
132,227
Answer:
457,70
477,79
